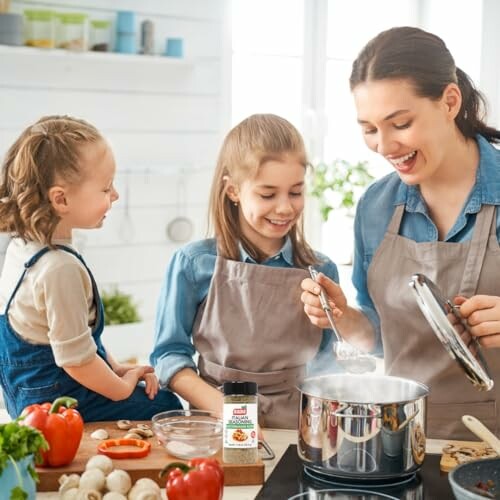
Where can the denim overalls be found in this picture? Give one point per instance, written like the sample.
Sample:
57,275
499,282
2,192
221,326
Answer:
29,374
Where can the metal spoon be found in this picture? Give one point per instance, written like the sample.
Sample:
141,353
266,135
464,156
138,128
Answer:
350,357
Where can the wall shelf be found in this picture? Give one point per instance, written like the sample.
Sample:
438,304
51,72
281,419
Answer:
111,57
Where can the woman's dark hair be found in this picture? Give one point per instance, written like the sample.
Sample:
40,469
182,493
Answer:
423,58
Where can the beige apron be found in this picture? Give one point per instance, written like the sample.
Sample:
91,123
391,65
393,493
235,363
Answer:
411,349
252,326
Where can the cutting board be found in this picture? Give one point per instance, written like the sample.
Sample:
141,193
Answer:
148,466
448,462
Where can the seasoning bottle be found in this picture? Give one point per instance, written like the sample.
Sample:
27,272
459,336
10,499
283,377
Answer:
240,421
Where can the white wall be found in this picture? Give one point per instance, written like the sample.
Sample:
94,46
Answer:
164,119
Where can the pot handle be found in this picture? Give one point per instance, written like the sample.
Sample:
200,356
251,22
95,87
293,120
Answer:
338,413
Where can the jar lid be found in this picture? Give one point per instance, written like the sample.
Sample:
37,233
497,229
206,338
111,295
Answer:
71,17
100,23
39,15
447,323
244,388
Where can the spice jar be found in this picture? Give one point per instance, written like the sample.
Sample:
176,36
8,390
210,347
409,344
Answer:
39,28
240,423
100,35
71,32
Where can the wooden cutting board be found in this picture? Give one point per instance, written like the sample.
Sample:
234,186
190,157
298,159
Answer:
448,462
148,466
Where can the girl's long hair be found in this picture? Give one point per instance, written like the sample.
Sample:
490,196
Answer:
423,59
45,153
257,139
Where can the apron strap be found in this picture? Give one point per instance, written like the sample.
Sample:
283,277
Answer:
268,382
397,216
484,223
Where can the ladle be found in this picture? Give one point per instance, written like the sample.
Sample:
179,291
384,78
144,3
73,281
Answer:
350,357
482,432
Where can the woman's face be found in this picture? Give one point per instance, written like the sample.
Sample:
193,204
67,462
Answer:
413,133
271,202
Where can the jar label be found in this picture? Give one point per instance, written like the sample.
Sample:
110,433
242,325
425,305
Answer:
240,425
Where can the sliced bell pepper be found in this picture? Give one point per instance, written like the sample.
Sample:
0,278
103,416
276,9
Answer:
60,424
199,479
143,448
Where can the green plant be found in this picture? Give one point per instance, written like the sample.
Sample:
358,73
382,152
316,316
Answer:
119,308
338,185
18,442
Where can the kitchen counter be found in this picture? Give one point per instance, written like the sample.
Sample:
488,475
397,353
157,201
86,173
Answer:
279,441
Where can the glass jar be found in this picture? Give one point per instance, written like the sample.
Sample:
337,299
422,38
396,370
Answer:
71,32
100,35
240,423
39,28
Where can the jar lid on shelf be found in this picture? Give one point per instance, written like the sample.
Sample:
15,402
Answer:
71,17
39,15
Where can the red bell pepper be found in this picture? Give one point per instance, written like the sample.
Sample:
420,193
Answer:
199,479
62,427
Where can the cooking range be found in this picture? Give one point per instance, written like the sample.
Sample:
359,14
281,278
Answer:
290,479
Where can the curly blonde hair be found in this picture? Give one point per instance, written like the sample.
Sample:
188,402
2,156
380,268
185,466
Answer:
256,140
45,153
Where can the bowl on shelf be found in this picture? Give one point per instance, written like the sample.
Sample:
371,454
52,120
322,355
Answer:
188,433
476,480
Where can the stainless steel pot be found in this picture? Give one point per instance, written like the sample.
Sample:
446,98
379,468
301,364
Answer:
362,426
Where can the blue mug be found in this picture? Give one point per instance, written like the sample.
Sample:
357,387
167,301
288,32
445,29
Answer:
174,47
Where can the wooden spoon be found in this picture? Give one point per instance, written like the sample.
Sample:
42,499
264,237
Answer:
481,431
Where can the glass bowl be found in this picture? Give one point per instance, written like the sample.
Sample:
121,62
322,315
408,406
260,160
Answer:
188,433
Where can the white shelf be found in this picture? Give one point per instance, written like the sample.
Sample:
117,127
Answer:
111,57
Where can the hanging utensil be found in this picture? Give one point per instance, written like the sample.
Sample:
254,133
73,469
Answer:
180,228
126,230
350,357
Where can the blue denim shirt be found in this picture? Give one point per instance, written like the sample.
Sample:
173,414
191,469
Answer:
377,204
185,287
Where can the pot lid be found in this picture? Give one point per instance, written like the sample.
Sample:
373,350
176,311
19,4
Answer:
445,319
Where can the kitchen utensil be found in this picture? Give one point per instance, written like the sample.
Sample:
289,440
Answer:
447,323
467,480
127,226
268,453
359,427
351,358
180,228
188,433
150,466
482,432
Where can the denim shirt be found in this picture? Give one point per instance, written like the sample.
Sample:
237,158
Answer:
185,287
376,207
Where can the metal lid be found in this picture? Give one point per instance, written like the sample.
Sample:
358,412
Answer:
447,323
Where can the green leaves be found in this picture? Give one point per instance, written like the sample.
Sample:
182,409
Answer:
17,442
338,185
119,308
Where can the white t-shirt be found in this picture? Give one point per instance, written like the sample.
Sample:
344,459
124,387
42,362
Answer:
54,304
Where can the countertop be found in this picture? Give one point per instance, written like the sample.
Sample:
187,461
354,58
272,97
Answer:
279,441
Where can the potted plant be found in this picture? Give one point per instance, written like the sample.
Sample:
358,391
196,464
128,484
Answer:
337,186
122,325
20,449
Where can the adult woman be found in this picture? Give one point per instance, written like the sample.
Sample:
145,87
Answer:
434,215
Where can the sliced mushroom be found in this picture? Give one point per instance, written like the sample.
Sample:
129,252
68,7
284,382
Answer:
145,433
132,435
146,427
124,424
100,434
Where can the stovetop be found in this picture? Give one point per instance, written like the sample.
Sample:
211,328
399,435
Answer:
289,478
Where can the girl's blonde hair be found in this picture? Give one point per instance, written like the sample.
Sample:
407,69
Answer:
251,143
44,154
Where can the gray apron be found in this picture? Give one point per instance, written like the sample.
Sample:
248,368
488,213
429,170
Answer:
411,349
252,326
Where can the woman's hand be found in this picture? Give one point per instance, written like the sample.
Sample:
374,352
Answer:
482,313
312,305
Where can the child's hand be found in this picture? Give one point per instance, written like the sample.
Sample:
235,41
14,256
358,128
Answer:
152,385
134,374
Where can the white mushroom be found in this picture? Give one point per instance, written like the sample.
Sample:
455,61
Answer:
101,462
100,434
88,494
124,424
146,494
92,479
145,482
68,482
114,495
119,481
69,494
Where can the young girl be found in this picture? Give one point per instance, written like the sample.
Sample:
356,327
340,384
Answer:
58,176
235,299
438,213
